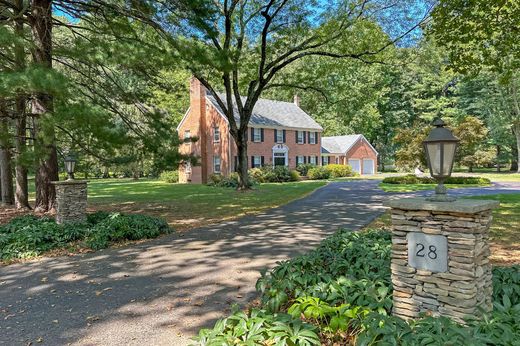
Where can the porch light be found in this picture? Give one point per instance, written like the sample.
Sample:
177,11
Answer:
440,147
70,164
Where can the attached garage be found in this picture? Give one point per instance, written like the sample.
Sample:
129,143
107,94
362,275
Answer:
355,150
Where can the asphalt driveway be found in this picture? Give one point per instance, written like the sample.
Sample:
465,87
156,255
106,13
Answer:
161,292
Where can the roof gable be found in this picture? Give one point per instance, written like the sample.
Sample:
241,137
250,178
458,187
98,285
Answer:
341,144
271,113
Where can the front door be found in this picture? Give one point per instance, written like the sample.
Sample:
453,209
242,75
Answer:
279,161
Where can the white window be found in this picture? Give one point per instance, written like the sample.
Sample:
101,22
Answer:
188,167
216,164
299,160
313,160
312,137
187,134
216,134
279,136
299,137
324,160
257,161
257,135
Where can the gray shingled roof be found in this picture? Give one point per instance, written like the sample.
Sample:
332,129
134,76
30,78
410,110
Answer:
272,113
338,144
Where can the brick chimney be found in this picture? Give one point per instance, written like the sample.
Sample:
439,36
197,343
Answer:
198,110
297,100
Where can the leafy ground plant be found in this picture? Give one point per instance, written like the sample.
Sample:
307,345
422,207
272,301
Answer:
29,236
341,294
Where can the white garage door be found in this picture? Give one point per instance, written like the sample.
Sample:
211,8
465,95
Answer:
368,166
355,164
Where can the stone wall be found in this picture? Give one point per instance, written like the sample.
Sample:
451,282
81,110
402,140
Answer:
464,284
71,201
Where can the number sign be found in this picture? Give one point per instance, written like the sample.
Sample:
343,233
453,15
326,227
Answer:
428,252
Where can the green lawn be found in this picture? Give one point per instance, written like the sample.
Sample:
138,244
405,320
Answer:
190,205
420,187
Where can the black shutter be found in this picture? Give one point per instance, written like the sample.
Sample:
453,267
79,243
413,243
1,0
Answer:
309,137
275,134
252,134
261,135
296,136
315,137
304,137
284,136
262,160
252,162
305,160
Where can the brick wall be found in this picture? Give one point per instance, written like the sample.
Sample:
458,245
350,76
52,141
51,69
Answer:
362,150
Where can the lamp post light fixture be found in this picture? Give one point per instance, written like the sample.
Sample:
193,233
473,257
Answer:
70,164
440,147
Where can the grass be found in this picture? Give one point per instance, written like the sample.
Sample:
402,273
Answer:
190,205
420,187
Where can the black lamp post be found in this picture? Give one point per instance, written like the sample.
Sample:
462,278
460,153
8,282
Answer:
70,164
440,146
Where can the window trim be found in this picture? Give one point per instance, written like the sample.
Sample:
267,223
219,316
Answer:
216,131
255,129
298,137
312,137
215,158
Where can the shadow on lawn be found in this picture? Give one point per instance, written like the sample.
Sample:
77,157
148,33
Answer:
165,290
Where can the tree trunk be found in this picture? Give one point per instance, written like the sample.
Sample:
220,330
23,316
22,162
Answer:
41,27
6,174
498,158
22,190
106,173
243,176
516,131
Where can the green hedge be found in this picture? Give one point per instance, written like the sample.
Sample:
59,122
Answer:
339,171
412,179
170,177
341,293
318,173
30,236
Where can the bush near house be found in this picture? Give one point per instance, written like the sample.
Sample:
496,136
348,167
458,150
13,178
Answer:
341,293
277,174
171,177
303,168
412,179
339,171
318,173
30,236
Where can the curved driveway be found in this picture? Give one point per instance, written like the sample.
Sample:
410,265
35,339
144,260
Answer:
161,292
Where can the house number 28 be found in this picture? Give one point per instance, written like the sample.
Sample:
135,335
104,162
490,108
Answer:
421,252
427,251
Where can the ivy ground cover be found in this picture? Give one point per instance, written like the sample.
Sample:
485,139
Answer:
341,294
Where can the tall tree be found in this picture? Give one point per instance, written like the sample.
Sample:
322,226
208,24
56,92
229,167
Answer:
239,47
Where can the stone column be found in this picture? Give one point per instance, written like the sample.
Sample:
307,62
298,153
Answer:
71,201
440,257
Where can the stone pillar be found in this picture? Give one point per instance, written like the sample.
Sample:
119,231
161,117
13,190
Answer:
440,257
71,201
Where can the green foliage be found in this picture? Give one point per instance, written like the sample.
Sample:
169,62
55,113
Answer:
227,181
276,174
171,177
29,236
339,171
303,168
343,288
318,173
413,179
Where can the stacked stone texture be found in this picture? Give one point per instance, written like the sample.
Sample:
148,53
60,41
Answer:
71,201
466,288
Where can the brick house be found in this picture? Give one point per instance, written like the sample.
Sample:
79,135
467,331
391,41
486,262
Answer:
353,150
279,133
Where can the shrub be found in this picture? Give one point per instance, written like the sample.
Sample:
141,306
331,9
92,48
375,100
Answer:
257,174
276,174
341,292
412,179
303,168
29,236
295,175
169,177
339,171
318,173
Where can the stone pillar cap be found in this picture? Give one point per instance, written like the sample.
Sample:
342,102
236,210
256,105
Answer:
69,182
467,206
